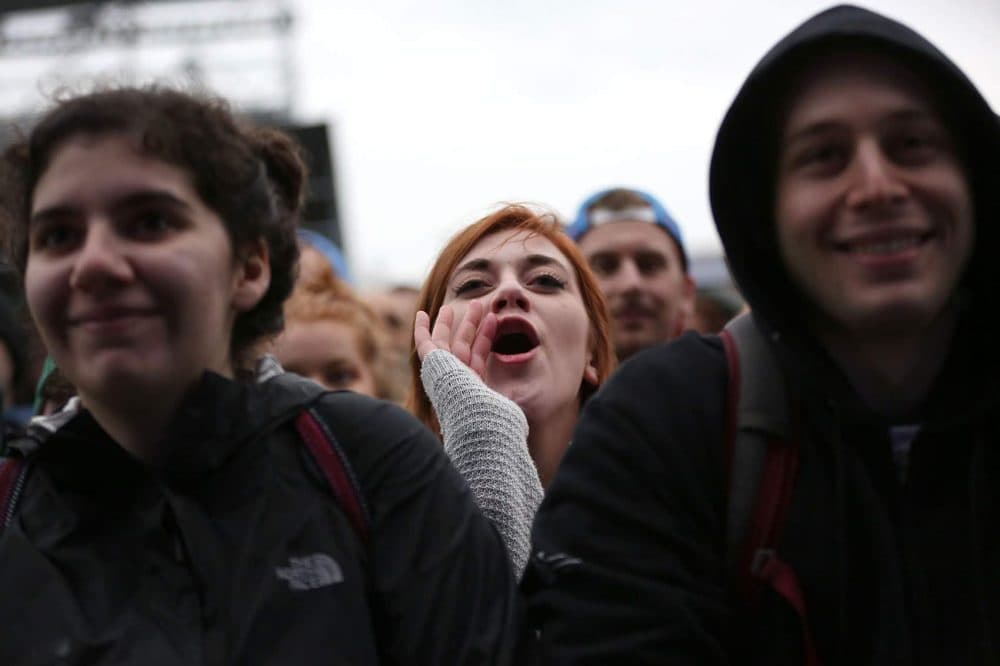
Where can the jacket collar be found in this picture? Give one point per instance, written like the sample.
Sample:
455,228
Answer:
218,416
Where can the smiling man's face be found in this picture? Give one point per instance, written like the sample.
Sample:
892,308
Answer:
874,211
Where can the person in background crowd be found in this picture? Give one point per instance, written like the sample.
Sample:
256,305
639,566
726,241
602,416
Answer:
53,390
511,338
856,189
335,339
317,253
396,307
13,363
173,517
640,265
713,308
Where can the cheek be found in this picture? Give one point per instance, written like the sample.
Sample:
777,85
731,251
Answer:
366,382
671,286
190,286
46,296
795,204
574,330
458,308
793,236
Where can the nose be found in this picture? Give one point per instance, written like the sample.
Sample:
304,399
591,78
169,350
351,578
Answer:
100,262
510,294
628,277
876,181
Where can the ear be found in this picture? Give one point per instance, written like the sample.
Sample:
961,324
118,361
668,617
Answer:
252,276
687,305
590,372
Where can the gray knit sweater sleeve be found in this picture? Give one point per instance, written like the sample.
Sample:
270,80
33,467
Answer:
486,438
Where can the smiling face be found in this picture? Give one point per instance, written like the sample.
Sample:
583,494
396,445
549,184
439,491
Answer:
542,352
130,277
874,213
639,269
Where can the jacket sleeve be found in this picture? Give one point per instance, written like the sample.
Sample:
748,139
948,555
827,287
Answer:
486,438
442,588
628,561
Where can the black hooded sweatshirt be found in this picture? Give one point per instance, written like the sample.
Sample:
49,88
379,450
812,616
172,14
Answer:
629,544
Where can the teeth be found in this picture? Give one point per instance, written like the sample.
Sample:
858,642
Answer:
888,247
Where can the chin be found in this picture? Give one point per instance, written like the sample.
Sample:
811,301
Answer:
124,383
898,317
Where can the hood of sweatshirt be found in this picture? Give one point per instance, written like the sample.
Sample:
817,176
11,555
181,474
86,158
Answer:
743,182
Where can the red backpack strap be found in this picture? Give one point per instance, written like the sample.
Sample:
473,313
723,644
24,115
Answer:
13,474
762,459
332,461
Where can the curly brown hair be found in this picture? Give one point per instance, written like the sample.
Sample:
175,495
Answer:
254,178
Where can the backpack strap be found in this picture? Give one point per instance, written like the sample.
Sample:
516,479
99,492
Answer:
762,459
336,468
13,474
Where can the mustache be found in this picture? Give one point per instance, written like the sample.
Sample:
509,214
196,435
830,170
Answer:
633,305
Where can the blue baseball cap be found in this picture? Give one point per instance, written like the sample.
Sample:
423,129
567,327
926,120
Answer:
328,249
655,214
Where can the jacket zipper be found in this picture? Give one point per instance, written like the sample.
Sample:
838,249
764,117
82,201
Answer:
15,495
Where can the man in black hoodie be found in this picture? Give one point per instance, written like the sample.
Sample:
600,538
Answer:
856,190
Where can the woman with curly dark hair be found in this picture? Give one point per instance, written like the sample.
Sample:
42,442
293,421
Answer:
179,510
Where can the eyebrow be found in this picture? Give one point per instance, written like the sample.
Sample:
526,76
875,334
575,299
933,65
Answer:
529,261
811,130
533,260
823,126
131,200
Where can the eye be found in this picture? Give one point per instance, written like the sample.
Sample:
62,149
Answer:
150,224
470,286
55,237
392,321
822,158
914,146
604,264
548,281
338,377
650,263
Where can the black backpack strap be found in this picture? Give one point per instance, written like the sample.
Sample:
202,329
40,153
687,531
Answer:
13,475
762,458
757,415
336,468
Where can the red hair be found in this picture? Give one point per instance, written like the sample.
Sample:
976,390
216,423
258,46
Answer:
327,298
515,218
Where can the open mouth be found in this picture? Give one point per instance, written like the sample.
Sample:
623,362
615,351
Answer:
515,336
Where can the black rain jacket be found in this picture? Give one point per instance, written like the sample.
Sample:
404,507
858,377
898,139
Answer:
629,544
233,551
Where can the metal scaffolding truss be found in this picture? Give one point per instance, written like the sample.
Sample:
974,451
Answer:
238,48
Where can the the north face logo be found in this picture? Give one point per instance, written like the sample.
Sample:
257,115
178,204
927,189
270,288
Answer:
310,572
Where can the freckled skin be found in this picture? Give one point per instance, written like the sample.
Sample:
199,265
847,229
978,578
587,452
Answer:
549,383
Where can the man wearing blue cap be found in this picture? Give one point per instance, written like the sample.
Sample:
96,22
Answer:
640,265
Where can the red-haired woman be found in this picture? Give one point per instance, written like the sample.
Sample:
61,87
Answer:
332,337
511,338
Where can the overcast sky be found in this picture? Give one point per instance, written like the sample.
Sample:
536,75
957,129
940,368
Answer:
442,109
